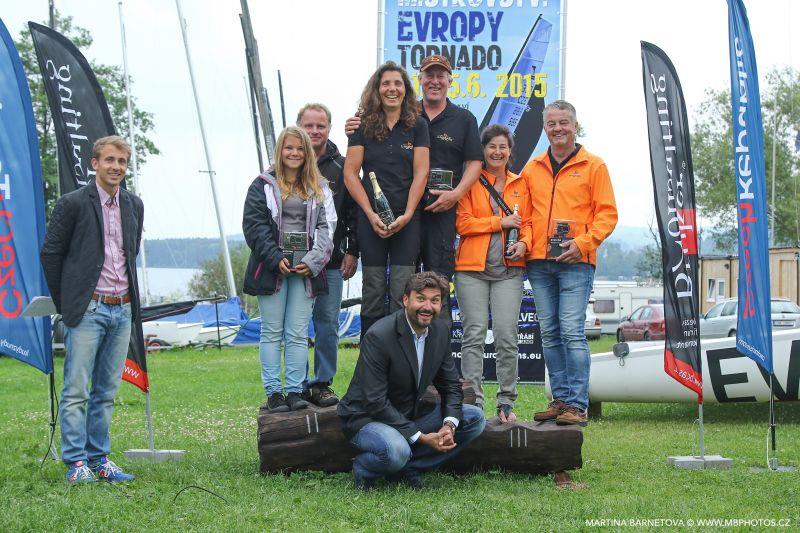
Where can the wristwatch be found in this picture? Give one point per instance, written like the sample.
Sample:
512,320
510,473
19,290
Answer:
450,424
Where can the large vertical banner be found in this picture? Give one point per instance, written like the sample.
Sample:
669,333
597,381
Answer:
21,217
754,325
506,58
673,188
79,108
80,117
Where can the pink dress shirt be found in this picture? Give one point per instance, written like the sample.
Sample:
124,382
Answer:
114,276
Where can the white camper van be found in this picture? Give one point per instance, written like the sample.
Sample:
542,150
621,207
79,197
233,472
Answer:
614,301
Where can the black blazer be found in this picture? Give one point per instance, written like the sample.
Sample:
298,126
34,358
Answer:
73,251
384,386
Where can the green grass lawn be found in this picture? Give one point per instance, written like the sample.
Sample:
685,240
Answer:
206,402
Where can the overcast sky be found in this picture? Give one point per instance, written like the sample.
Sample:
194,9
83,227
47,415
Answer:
326,50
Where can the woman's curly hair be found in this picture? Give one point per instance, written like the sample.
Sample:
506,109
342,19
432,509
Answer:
373,118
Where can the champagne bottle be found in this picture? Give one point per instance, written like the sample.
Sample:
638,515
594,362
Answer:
512,237
381,203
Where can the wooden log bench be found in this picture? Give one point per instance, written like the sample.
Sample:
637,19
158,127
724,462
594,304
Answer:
312,439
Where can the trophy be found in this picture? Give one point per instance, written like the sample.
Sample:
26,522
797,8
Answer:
440,180
562,232
295,247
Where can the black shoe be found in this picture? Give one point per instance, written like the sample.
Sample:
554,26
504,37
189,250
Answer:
409,477
276,403
364,483
412,478
295,402
321,395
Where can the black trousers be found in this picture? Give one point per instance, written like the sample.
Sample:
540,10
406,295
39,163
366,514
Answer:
437,252
386,266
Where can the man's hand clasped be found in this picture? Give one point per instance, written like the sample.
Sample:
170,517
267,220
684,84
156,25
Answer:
445,201
348,268
442,441
572,254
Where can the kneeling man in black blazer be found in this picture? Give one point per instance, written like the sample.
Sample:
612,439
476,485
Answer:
382,412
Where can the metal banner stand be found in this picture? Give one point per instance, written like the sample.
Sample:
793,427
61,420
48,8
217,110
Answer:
772,454
702,461
151,454
43,306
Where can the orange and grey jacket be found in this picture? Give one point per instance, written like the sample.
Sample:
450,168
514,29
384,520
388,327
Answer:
476,222
581,193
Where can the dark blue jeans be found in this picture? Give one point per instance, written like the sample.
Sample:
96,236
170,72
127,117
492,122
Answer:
326,330
561,294
386,451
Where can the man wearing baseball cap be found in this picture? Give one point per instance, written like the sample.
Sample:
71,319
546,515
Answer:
455,148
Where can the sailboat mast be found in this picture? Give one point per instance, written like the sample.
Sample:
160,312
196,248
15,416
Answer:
132,141
225,253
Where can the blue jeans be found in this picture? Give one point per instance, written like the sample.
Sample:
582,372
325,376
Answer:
326,330
561,294
284,317
96,350
386,451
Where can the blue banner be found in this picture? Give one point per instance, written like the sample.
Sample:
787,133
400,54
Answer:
506,58
754,329
21,217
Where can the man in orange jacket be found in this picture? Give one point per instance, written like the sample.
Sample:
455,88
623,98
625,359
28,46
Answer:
573,212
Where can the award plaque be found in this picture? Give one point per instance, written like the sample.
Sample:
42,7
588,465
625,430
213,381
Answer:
295,247
440,179
561,233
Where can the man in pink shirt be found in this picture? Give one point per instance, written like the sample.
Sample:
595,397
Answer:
89,260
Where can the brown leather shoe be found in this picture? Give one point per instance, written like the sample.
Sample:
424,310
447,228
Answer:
554,408
572,416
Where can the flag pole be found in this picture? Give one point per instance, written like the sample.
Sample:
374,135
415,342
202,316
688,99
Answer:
379,47
149,418
700,429
132,141
52,16
280,91
53,453
211,174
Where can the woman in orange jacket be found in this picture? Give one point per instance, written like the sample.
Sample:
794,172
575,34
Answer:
490,260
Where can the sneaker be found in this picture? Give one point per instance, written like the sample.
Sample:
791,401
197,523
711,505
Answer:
295,402
321,395
276,403
106,470
572,416
79,473
554,408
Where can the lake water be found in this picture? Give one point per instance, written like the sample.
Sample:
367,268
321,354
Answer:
170,282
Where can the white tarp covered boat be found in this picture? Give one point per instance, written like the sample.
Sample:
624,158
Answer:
728,376
172,333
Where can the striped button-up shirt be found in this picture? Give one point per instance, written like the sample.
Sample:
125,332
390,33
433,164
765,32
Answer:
113,276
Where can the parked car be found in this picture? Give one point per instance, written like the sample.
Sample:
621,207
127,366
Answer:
592,327
646,323
720,321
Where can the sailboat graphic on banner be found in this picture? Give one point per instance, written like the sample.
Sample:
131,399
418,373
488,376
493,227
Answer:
523,114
